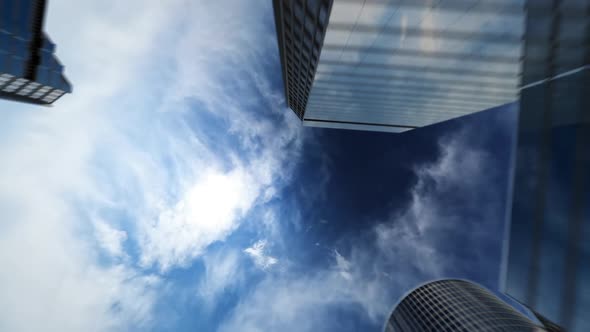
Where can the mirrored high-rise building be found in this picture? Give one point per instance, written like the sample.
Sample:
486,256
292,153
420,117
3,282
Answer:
456,305
547,253
397,65
29,70
394,65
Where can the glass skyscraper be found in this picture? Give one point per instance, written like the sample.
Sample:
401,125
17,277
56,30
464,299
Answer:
394,65
547,253
29,71
456,305
397,65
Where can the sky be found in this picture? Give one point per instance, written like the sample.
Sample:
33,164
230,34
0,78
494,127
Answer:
174,191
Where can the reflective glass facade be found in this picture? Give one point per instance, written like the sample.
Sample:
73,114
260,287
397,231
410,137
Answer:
398,65
29,71
548,246
455,305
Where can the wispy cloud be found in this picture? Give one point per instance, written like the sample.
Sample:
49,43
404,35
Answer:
415,236
368,273
342,265
135,148
110,239
301,301
257,253
222,271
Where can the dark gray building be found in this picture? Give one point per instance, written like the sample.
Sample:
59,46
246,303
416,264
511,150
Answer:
547,252
456,305
29,70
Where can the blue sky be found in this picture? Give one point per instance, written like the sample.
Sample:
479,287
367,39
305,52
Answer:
173,190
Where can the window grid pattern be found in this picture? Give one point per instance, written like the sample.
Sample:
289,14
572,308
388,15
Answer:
407,64
455,305
301,26
557,38
29,70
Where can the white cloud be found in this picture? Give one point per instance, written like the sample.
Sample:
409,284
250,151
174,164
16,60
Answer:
258,255
208,212
123,146
52,278
110,238
51,281
301,302
222,271
342,265
411,247
420,235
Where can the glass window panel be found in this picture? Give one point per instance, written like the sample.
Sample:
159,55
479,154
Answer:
25,18
298,11
569,58
43,75
297,28
581,318
558,203
4,41
22,48
6,6
538,27
17,67
309,29
312,5
569,30
4,62
48,99
575,4
9,44
526,179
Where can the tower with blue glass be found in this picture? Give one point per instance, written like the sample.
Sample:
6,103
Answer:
29,70
547,249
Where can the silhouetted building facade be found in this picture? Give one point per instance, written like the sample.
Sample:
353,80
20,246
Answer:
456,305
29,71
397,65
547,253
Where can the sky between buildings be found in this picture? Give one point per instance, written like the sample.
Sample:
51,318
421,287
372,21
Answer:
173,190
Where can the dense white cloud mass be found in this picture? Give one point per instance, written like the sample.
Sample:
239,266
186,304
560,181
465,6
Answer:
208,211
368,278
122,161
